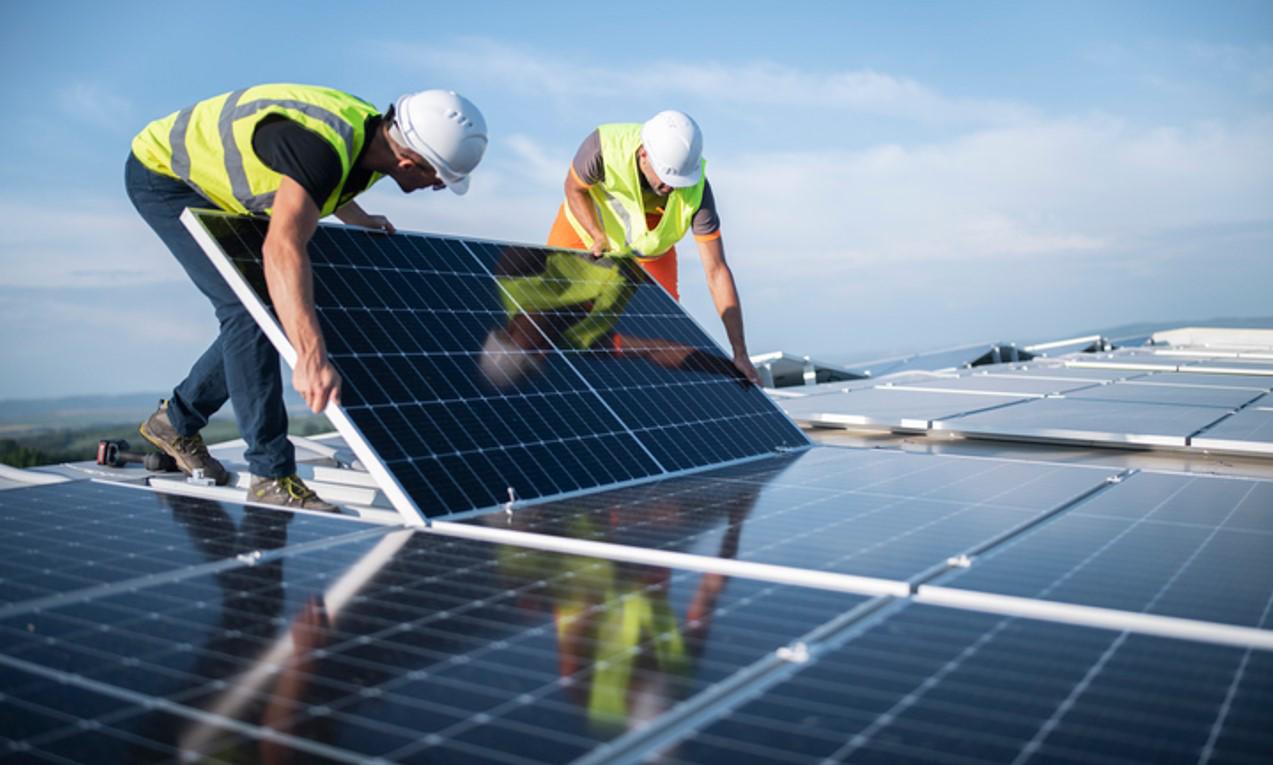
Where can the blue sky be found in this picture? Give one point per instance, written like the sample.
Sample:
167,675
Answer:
891,177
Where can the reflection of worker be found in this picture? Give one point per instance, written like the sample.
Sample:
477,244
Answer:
295,153
615,619
573,302
636,190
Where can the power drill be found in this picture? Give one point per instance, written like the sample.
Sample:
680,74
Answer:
116,453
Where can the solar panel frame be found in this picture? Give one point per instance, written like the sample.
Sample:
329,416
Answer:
783,434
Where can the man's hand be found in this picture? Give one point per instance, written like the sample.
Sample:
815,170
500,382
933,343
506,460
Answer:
317,381
600,246
379,222
744,365
354,215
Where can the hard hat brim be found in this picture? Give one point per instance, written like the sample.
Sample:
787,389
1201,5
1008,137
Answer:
682,181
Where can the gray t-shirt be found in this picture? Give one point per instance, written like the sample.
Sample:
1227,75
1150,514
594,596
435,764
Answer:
590,169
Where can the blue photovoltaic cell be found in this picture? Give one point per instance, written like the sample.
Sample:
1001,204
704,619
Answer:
867,512
65,537
475,369
1177,545
413,647
944,686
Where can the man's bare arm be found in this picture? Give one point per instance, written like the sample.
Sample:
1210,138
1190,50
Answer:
580,202
353,214
720,282
291,286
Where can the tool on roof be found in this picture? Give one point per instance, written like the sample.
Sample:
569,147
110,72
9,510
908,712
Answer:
115,452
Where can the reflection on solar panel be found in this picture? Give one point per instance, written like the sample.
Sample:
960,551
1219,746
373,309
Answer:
402,645
69,537
476,373
872,513
931,685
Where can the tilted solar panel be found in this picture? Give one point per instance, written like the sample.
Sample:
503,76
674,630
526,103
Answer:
476,373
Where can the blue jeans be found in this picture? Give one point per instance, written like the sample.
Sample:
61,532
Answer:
240,366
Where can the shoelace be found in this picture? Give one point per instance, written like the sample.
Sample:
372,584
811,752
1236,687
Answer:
295,488
191,445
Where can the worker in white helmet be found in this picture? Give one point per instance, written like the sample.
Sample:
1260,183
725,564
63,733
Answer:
295,153
637,189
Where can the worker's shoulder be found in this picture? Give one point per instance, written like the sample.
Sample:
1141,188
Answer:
297,91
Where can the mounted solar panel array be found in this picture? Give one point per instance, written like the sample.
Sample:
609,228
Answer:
479,373
1121,399
726,613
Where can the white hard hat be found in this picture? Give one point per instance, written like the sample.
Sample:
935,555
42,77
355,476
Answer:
675,147
504,363
446,129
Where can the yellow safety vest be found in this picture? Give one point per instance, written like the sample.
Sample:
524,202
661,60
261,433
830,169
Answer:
618,200
567,281
209,145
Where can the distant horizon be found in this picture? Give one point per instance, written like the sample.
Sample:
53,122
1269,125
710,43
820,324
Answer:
1133,328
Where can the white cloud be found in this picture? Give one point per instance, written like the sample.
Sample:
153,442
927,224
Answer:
89,241
95,105
572,82
1048,189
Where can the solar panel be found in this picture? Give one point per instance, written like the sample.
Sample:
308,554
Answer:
1057,371
868,513
67,537
895,408
1254,382
1178,395
1249,431
988,383
1160,543
1089,421
933,685
413,647
478,372
1232,367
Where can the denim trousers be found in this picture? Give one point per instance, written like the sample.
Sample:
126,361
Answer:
240,366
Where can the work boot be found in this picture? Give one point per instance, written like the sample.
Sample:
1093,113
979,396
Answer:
189,451
288,491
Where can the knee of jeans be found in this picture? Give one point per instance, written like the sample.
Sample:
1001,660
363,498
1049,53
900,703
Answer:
232,313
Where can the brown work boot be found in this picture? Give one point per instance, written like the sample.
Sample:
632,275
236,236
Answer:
189,451
288,491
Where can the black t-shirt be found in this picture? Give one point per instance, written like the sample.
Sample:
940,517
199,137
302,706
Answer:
291,149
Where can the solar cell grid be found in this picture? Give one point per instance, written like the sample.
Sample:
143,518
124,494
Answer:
445,650
870,513
933,685
1165,544
474,369
66,537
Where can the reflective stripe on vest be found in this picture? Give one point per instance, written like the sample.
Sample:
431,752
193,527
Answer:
617,199
209,145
